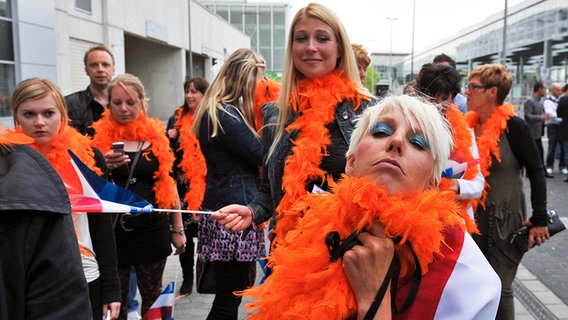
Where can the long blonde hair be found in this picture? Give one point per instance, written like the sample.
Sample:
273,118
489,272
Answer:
291,75
235,85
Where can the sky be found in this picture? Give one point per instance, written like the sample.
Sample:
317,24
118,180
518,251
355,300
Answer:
367,21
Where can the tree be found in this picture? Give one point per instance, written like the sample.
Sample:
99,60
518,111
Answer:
373,78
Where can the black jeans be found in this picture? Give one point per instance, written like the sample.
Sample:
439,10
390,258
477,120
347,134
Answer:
231,276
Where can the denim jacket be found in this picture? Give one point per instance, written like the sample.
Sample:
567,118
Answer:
233,159
270,190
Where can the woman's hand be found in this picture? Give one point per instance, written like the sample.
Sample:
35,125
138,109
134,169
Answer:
366,266
114,159
234,217
179,240
538,234
114,308
172,133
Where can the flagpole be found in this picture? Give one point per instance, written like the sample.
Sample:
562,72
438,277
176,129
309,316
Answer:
184,211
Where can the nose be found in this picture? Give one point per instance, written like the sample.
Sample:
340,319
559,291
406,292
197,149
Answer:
39,121
396,143
311,45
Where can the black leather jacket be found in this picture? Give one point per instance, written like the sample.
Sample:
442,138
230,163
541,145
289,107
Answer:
83,110
270,190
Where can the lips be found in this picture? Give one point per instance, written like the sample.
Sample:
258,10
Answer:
391,163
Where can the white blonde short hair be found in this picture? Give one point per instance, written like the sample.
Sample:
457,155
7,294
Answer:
419,114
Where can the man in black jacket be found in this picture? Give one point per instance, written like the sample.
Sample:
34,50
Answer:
86,106
41,276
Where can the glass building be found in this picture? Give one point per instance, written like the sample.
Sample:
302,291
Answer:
265,23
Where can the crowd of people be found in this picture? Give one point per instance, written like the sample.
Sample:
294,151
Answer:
376,208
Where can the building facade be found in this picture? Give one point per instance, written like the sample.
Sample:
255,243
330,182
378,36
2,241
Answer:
535,34
265,23
159,42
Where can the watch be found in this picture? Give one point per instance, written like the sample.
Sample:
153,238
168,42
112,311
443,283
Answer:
181,231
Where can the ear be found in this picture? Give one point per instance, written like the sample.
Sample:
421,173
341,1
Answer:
350,166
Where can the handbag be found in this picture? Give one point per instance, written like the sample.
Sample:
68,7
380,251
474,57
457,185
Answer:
520,237
205,281
204,275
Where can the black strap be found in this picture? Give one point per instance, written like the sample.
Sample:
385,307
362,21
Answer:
416,279
130,173
381,293
134,162
338,247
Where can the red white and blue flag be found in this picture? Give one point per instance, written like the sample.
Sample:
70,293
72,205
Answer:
90,193
163,307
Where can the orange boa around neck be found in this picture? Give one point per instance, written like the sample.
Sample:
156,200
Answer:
314,102
69,139
488,141
107,131
267,90
462,149
305,285
193,163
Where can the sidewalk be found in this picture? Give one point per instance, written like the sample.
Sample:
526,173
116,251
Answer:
533,300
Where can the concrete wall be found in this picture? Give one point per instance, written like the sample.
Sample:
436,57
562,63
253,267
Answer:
35,40
148,38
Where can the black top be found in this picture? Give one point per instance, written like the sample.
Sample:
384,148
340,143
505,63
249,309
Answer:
150,239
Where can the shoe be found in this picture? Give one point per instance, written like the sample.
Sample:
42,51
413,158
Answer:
548,175
186,288
549,171
564,171
133,315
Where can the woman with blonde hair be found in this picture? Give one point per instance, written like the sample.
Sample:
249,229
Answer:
224,123
41,113
307,130
145,167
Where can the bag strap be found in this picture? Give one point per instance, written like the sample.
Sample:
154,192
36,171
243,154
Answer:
416,279
131,169
381,293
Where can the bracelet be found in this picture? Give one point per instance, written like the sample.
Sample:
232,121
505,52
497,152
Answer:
181,231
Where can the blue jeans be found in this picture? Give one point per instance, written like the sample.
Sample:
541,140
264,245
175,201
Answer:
132,302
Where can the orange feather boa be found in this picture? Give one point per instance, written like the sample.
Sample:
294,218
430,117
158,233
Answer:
69,139
462,149
192,163
315,102
107,131
305,285
488,141
267,90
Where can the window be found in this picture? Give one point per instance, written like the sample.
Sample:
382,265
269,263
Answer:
84,5
5,8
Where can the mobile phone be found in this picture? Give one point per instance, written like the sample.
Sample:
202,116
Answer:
118,147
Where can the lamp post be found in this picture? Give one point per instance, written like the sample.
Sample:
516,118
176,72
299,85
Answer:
391,19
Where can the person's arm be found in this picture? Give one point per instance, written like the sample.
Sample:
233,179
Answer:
525,150
55,283
472,189
179,238
530,110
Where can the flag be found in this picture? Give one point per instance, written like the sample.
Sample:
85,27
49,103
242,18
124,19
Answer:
90,193
163,307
